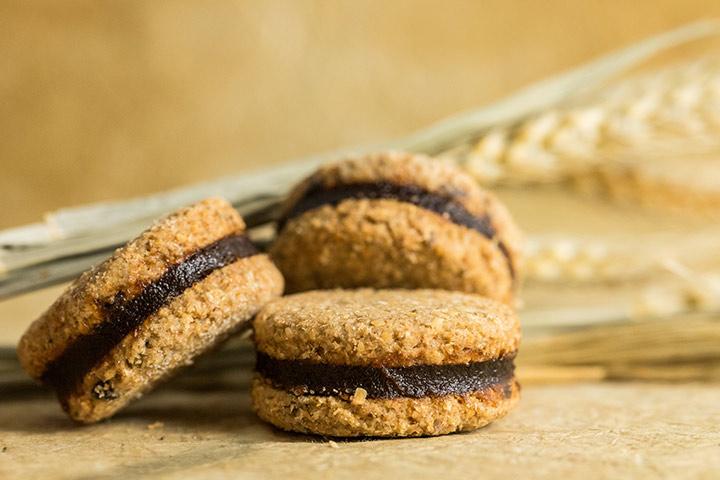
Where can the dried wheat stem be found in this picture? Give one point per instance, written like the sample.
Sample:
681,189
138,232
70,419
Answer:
681,339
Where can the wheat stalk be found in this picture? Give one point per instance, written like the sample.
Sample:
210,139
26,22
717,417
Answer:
659,110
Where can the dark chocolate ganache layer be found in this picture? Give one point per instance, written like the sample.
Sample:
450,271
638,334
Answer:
122,316
317,196
308,378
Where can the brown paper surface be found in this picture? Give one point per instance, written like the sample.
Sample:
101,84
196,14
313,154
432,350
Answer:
576,431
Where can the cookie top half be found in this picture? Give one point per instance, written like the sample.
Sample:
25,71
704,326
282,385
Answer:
388,328
397,220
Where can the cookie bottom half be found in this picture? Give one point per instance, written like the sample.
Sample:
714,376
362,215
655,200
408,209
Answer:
395,417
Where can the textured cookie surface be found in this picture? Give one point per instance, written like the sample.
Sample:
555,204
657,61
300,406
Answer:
178,289
386,327
384,362
397,220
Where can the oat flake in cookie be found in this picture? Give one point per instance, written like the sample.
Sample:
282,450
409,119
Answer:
384,363
177,290
396,220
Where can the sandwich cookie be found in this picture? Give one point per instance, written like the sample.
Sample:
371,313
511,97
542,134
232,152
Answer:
396,220
384,363
177,290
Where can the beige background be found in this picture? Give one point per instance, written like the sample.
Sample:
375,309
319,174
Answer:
103,100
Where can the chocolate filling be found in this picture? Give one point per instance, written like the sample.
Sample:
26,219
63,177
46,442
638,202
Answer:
122,316
317,196
308,378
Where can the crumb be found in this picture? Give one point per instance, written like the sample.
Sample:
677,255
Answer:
333,444
162,438
3,450
359,396
104,391
155,426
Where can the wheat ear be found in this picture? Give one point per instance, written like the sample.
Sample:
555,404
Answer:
679,104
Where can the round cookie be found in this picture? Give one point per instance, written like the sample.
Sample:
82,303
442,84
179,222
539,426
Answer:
396,220
384,363
177,290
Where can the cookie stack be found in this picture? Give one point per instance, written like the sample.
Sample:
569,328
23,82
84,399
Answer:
400,322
